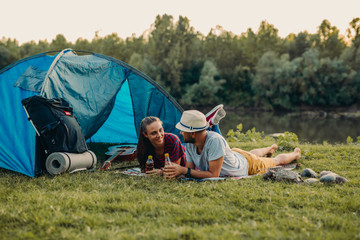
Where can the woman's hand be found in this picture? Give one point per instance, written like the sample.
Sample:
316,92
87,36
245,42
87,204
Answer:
155,172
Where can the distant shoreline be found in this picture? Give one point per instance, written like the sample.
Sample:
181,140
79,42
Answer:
352,111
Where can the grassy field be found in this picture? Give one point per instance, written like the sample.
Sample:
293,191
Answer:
109,205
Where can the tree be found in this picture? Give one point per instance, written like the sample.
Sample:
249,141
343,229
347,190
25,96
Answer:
191,51
32,48
339,84
296,45
254,45
59,43
172,48
111,45
311,85
83,45
351,55
249,49
326,82
145,65
204,92
238,89
353,33
6,57
307,80
329,43
163,53
9,52
133,45
268,39
223,47
274,81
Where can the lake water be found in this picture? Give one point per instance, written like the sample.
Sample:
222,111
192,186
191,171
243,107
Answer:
309,127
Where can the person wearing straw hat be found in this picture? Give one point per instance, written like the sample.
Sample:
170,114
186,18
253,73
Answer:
209,152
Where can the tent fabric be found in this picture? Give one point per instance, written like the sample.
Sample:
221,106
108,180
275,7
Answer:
121,115
32,79
17,135
93,98
109,98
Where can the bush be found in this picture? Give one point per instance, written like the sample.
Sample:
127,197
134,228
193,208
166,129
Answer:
288,141
249,136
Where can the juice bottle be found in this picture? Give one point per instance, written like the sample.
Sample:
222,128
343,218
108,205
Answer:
167,162
149,163
167,159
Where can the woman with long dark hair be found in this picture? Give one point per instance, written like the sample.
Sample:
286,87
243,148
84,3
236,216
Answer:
154,141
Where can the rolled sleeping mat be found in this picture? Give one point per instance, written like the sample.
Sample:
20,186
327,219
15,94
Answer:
60,162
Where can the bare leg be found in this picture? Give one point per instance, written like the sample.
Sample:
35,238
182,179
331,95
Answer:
286,158
267,151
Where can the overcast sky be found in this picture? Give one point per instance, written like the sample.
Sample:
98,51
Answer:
27,20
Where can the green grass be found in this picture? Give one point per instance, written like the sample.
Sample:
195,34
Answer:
109,205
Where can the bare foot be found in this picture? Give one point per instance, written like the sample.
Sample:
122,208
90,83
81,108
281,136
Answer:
297,151
272,150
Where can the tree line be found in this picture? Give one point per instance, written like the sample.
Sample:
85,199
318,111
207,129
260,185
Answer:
253,69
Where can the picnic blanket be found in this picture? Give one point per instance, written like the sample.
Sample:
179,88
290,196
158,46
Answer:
132,171
137,172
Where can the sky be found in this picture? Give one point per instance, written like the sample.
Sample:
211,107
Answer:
26,20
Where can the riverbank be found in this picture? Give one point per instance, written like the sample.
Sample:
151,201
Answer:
310,126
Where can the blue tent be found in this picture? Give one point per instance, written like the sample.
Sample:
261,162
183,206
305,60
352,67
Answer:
109,97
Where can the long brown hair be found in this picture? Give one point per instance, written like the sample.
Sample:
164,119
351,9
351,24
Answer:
144,147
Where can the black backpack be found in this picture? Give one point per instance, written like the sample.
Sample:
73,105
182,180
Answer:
55,125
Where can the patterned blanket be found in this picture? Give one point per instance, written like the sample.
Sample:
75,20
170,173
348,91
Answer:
137,172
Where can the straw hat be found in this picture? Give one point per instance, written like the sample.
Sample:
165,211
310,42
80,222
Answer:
192,121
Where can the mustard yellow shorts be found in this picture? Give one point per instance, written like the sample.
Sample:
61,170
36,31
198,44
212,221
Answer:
256,164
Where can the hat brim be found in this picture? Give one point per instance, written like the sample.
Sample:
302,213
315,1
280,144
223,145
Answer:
183,128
